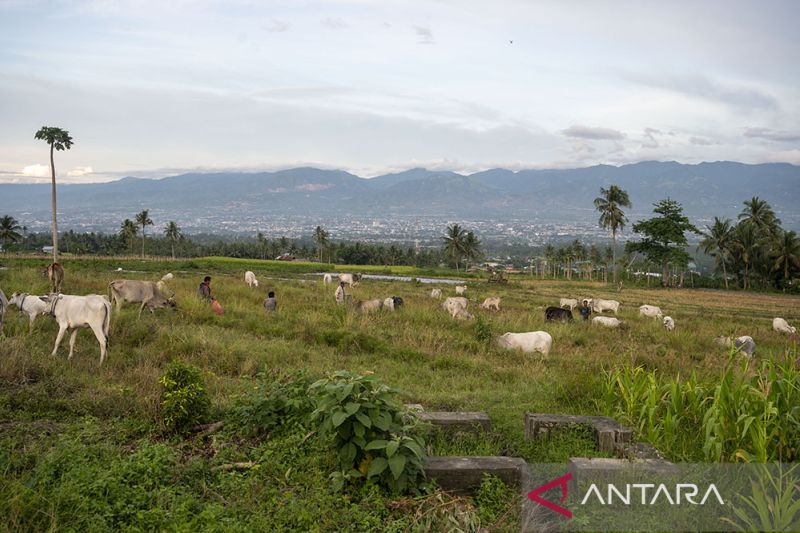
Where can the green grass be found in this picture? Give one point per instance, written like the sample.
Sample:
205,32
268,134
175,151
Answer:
72,428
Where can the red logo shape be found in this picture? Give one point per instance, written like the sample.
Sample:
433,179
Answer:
562,482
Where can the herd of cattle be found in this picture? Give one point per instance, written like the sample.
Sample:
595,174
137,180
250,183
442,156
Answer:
94,311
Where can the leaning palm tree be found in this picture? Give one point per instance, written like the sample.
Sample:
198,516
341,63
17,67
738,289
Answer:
608,204
785,253
9,230
454,242
717,242
172,232
58,139
143,219
321,238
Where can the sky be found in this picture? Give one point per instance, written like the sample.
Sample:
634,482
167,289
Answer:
156,88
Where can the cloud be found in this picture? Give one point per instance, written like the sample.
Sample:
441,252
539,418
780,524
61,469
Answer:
425,34
699,141
650,138
80,171
697,86
772,135
594,134
334,23
36,171
276,26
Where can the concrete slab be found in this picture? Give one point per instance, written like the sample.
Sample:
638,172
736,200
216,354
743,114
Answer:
461,475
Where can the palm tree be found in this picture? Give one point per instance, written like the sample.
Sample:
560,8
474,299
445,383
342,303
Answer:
321,238
611,216
172,232
8,230
143,219
747,243
128,231
717,242
785,253
472,247
58,139
454,242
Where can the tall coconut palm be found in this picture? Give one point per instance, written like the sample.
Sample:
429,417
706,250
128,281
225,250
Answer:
759,213
609,205
58,139
9,230
321,238
785,253
472,247
717,242
454,242
143,219
172,232
747,243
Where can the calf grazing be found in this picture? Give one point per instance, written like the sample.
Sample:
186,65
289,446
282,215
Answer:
30,305
533,341
744,344
599,306
607,321
650,311
669,323
570,303
551,314
461,289
460,313
367,306
454,301
327,279
250,279
491,304
350,279
781,326
55,273
136,291
392,303
3,306
436,293
73,312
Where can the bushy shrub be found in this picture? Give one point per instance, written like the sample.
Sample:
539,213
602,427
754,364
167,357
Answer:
374,434
275,402
493,499
483,331
184,400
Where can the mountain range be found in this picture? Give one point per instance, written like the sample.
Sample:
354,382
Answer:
557,195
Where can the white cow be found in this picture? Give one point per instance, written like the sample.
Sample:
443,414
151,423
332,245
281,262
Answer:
350,279
250,279
461,289
669,323
607,321
137,291
781,326
650,311
368,306
598,306
30,305
744,344
572,303
459,312
162,283
436,293
73,312
3,305
533,341
454,301
491,304
392,303
327,279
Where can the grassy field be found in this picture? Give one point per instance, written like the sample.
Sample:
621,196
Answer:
81,446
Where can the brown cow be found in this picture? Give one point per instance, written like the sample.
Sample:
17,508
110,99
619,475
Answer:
55,273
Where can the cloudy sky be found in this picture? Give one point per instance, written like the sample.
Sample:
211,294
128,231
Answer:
153,88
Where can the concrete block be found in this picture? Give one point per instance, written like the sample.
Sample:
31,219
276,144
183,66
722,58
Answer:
458,421
462,475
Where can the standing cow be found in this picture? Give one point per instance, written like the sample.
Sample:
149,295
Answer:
30,305
136,291
55,273
651,311
350,279
571,303
598,306
552,314
73,312
250,279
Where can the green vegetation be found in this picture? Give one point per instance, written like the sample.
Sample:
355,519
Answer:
59,140
184,401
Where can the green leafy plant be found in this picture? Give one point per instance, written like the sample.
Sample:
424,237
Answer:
184,400
774,502
375,436
483,331
275,402
493,499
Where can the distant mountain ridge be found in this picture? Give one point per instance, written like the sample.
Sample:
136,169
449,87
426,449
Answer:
558,195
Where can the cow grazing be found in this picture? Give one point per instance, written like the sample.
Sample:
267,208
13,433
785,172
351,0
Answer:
533,341
744,344
650,311
3,306
55,273
461,289
781,326
459,312
367,306
607,321
327,279
436,293
551,314
136,291
350,279
392,303
454,301
570,303
73,312
669,323
599,306
491,304
30,305
250,279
